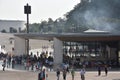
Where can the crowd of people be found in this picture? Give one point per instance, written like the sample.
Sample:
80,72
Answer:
72,72
82,72
30,61
36,63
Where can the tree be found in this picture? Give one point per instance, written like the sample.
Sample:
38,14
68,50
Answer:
94,14
3,31
13,30
43,26
34,27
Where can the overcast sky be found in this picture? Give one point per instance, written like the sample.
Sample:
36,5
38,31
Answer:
41,9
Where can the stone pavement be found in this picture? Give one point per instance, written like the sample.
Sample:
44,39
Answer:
29,75
90,76
15,74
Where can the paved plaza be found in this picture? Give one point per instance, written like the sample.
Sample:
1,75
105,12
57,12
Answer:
11,74
15,74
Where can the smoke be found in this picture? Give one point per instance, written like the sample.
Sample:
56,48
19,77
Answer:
98,20
99,15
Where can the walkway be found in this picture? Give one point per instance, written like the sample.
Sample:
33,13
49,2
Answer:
12,74
27,75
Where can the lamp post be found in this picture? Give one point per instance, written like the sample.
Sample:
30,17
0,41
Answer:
27,10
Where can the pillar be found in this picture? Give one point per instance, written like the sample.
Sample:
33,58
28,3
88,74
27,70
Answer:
19,46
58,53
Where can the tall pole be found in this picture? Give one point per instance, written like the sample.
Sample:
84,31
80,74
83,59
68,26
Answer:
27,10
27,51
27,23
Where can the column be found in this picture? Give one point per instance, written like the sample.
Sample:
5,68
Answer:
19,46
58,53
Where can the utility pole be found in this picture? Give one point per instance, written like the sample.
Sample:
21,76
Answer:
27,10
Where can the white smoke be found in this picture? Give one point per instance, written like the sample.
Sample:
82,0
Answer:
98,20
99,15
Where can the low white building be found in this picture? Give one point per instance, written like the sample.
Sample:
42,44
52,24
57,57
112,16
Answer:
6,42
7,24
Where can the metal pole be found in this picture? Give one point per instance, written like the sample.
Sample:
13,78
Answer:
27,22
27,33
27,10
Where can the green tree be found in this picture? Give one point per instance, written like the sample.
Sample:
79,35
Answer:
3,31
13,30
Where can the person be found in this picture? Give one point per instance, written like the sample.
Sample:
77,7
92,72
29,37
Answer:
67,69
44,74
41,75
4,64
99,70
58,74
73,74
64,74
13,63
82,73
106,70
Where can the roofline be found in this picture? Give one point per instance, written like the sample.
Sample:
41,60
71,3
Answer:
70,36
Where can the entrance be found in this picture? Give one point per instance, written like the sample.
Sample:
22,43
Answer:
90,53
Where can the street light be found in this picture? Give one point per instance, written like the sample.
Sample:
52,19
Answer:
27,10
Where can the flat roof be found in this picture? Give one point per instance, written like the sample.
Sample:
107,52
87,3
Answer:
72,36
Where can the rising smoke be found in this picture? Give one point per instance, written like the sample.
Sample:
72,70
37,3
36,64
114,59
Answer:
99,15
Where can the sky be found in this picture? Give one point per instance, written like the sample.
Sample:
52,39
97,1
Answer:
40,9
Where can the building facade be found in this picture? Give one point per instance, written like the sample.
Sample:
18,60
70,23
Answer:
78,48
14,24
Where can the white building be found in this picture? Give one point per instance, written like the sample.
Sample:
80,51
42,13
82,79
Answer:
6,42
7,24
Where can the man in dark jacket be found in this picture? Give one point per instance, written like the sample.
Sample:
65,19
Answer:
40,75
58,74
